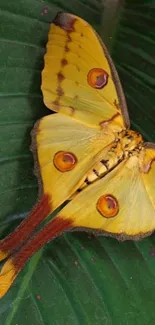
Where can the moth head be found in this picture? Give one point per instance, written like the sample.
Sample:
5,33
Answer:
131,140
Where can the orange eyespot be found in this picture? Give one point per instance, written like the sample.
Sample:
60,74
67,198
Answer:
108,206
97,78
64,161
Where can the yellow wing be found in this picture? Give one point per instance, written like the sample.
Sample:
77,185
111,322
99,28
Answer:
66,149
148,170
79,78
122,204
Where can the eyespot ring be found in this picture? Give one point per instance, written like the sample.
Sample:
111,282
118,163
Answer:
97,78
64,161
107,206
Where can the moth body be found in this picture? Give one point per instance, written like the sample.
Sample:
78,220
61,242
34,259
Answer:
127,143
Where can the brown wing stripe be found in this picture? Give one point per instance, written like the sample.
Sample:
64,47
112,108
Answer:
13,241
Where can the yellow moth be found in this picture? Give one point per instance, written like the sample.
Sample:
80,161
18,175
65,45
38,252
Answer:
85,152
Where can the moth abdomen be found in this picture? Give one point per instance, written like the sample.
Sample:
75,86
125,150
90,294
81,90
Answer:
125,145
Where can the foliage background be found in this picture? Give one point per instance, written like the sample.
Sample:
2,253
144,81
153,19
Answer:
77,279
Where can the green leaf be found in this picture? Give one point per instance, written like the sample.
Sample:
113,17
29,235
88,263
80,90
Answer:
77,279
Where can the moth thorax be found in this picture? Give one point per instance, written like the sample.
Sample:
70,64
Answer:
131,141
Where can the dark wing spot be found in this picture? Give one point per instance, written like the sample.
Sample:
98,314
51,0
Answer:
60,76
68,37
64,62
66,48
65,21
60,91
56,102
